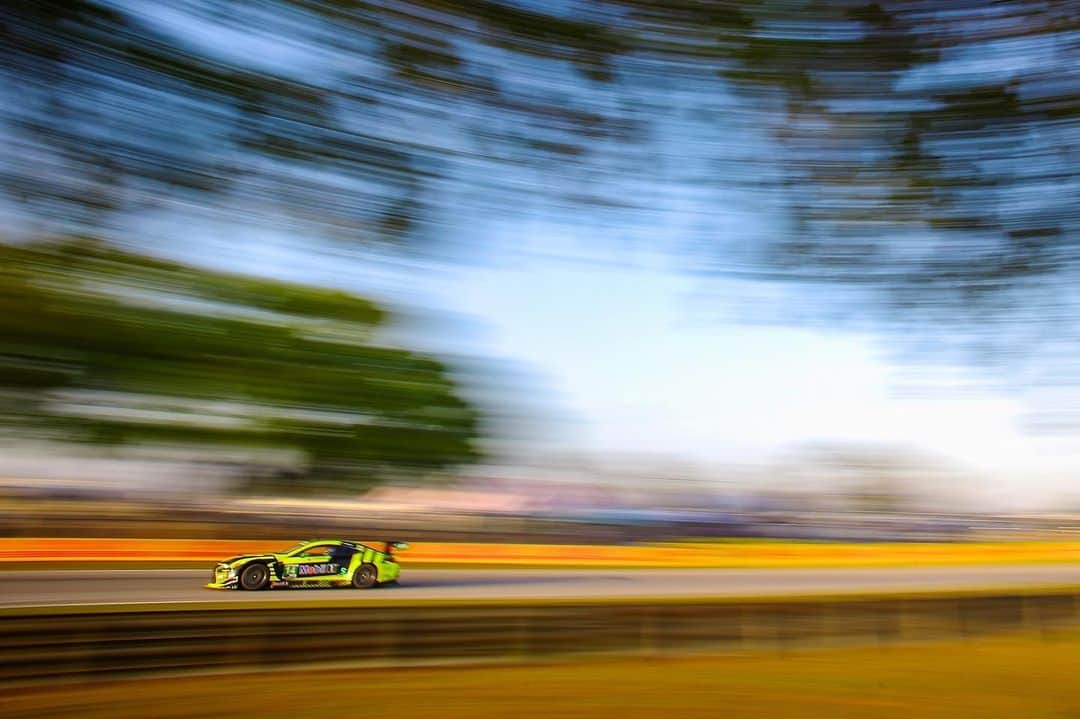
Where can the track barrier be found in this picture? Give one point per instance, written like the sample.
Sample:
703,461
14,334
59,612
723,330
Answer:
86,643
20,552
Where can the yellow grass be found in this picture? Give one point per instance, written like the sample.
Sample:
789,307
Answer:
1020,676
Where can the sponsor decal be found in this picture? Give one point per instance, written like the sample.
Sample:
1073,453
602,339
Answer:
313,570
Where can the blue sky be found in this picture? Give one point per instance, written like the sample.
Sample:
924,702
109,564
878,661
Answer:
618,349
629,357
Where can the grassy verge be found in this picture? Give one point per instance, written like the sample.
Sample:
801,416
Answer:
1029,676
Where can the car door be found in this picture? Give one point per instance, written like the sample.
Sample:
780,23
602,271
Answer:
314,563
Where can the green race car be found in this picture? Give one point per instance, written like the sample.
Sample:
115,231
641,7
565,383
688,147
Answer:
320,562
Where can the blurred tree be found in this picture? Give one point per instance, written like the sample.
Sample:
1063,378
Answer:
924,151
929,154
104,346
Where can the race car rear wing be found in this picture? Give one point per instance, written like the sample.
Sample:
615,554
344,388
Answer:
391,546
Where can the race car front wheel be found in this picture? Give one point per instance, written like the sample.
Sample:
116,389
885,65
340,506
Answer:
365,576
254,576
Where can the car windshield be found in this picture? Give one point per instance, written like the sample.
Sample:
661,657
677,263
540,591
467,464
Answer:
295,547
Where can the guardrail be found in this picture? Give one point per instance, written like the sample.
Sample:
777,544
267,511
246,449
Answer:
46,644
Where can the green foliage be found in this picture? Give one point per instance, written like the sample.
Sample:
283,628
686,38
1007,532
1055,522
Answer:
106,346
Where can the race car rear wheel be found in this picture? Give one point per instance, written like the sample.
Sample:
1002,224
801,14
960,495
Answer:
365,576
254,577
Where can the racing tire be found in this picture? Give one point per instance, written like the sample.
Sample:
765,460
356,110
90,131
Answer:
254,577
365,576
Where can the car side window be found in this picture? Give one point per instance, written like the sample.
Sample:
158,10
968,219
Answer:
341,554
318,551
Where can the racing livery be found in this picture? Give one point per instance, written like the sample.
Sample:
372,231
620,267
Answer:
319,562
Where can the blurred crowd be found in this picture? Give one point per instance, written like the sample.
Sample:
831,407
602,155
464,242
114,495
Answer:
480,510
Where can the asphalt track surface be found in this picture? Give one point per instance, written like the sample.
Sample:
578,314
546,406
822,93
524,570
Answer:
167,586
